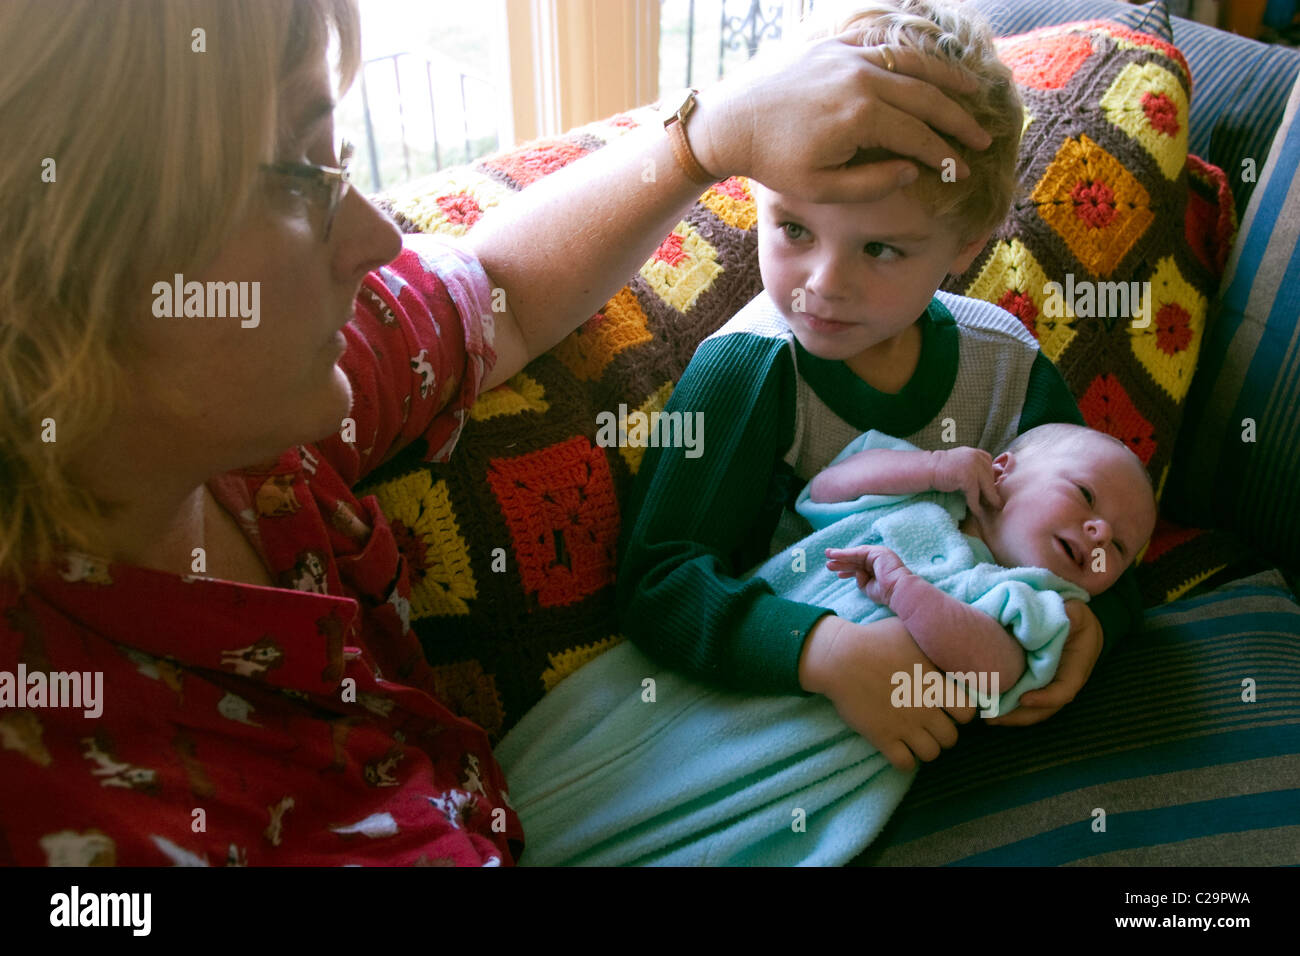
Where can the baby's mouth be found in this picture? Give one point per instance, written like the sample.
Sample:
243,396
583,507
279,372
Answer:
1075,556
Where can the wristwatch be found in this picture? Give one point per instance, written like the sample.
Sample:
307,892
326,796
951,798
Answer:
677,108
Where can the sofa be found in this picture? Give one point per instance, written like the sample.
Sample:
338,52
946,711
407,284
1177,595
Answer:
1184,747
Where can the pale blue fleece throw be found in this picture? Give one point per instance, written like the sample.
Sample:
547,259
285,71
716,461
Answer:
601,775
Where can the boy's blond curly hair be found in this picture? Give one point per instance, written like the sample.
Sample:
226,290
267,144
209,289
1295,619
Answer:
954,33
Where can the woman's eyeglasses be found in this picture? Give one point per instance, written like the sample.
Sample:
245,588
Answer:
329,184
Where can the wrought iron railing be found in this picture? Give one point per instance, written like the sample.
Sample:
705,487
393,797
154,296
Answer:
748,28
372,146
740,26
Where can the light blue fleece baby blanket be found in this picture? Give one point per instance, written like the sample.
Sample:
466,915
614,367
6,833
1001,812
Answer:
628,762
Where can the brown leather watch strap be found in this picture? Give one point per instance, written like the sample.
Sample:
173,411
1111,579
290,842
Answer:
682,152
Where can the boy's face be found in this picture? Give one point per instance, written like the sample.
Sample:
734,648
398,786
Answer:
851,276
1062,503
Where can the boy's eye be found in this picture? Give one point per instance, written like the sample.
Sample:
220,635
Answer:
878,250
793,231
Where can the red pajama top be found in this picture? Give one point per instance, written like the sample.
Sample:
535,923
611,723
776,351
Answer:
252,725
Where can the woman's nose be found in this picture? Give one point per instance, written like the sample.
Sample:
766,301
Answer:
365,238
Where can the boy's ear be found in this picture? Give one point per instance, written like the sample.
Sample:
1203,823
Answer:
967,253
1003,465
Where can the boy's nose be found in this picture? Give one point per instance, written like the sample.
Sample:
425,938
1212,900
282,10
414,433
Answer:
829,281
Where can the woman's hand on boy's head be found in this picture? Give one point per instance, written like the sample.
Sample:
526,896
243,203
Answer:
794,121
1078,658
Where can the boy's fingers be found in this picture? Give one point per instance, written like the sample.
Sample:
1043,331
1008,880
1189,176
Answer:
922,743
963,715
1022,716
1056,694
944,731
898,754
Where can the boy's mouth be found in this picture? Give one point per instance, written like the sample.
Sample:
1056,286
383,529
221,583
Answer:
819,324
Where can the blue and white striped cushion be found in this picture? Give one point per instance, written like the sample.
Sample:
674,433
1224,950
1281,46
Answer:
1250,369
1187,772
1239,86
1009,17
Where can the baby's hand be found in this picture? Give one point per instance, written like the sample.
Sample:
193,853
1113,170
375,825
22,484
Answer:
877,569
970,471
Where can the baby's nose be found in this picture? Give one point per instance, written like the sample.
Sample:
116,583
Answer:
1098,530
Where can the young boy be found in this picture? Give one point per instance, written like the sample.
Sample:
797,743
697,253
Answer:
628,763
849,335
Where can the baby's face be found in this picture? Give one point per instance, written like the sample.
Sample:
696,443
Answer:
849,276
1080,509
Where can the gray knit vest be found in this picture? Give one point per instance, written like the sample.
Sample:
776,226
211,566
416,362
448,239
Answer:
995,355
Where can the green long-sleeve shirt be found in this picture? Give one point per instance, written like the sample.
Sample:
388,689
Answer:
773,416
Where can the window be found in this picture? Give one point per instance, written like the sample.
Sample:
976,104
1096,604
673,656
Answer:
447,81
428,96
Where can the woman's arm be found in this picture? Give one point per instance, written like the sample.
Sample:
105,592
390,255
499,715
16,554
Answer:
562,247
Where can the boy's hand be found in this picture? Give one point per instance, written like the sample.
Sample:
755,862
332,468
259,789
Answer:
970,471
852,664
877,569
1078,658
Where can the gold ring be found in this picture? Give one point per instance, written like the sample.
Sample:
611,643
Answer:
888,54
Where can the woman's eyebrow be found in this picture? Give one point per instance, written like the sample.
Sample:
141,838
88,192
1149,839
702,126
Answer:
312,115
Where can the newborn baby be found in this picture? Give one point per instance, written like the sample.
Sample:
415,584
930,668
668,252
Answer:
1066,499
628,762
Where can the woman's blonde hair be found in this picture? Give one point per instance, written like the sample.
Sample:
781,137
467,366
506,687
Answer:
953,33
135,130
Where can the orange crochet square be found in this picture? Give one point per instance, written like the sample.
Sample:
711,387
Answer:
620,325
562,512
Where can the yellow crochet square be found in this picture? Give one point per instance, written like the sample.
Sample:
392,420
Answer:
419,202
732,201
655,403
519,394
1168,345
683,267
566,662
424,523
1144,90
1013,279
